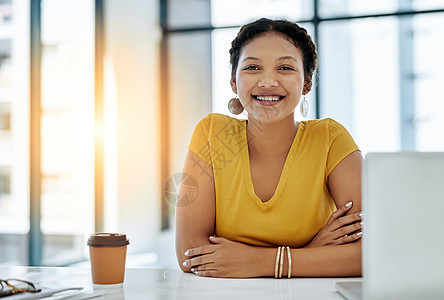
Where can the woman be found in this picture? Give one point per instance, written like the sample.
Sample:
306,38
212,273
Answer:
270,181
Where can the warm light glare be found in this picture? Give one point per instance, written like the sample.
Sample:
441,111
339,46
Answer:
109,133
68,130
98,129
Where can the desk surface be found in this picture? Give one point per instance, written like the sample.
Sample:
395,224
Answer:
174,284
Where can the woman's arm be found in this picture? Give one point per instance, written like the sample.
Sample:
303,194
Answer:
225,258
195,219
342,256
344,182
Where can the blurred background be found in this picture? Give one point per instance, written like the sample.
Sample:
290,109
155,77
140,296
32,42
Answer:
98,100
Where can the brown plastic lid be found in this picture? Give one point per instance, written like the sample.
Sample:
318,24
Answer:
103,239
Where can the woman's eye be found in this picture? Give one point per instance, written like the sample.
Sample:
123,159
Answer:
286,68
251,68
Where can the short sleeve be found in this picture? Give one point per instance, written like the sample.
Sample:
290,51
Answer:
199,143
341,145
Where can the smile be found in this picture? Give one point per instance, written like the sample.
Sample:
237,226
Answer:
268,99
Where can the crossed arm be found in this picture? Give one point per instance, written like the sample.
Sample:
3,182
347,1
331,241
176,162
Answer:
334,252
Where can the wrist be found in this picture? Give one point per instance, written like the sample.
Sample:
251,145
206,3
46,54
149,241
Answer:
283,262
263,261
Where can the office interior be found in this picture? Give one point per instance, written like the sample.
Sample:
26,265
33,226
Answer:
99,98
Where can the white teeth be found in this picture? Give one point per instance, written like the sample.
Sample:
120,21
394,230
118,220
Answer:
268,98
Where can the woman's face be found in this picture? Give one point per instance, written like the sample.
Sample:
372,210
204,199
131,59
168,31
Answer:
269,78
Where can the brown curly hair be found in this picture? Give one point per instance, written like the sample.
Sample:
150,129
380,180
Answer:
296,34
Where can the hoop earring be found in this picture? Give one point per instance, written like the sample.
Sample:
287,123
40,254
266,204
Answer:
304,107
235,106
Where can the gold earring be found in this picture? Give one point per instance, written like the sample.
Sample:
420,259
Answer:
235,106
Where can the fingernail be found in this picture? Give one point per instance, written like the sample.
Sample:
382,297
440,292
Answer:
361,215
362,223
185,264
187,252
192,270
359,233
197,273
349,204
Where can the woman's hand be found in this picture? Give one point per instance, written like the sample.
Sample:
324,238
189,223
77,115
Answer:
224,258
340,229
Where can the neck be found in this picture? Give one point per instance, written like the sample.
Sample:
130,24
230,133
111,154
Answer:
271,139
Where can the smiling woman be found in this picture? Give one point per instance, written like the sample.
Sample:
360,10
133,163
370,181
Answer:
265,78
271,190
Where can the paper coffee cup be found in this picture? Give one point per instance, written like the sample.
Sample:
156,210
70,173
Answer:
108,256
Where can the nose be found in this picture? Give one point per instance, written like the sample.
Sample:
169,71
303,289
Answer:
267,83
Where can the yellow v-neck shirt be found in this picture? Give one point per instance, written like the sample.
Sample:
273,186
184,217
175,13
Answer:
301,204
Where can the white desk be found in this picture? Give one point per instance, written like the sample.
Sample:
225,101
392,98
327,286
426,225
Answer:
174,284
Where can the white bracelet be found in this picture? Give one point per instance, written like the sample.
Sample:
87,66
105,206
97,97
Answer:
276,269
289,261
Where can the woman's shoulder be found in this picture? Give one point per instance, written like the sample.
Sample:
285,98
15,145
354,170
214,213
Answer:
217,121
320,122
215,117
325,125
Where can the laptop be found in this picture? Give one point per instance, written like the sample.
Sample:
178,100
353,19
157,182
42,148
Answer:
403,231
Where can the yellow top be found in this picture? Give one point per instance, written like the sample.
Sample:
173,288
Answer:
301,204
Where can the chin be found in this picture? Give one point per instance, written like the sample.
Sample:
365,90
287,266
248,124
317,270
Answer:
267,117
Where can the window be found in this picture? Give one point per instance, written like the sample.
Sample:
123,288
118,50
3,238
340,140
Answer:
14,131
66,137
236,13
428,65
67,129
359,80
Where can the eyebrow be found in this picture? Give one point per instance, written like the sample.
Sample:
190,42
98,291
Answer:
250,58
280,58
287,57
